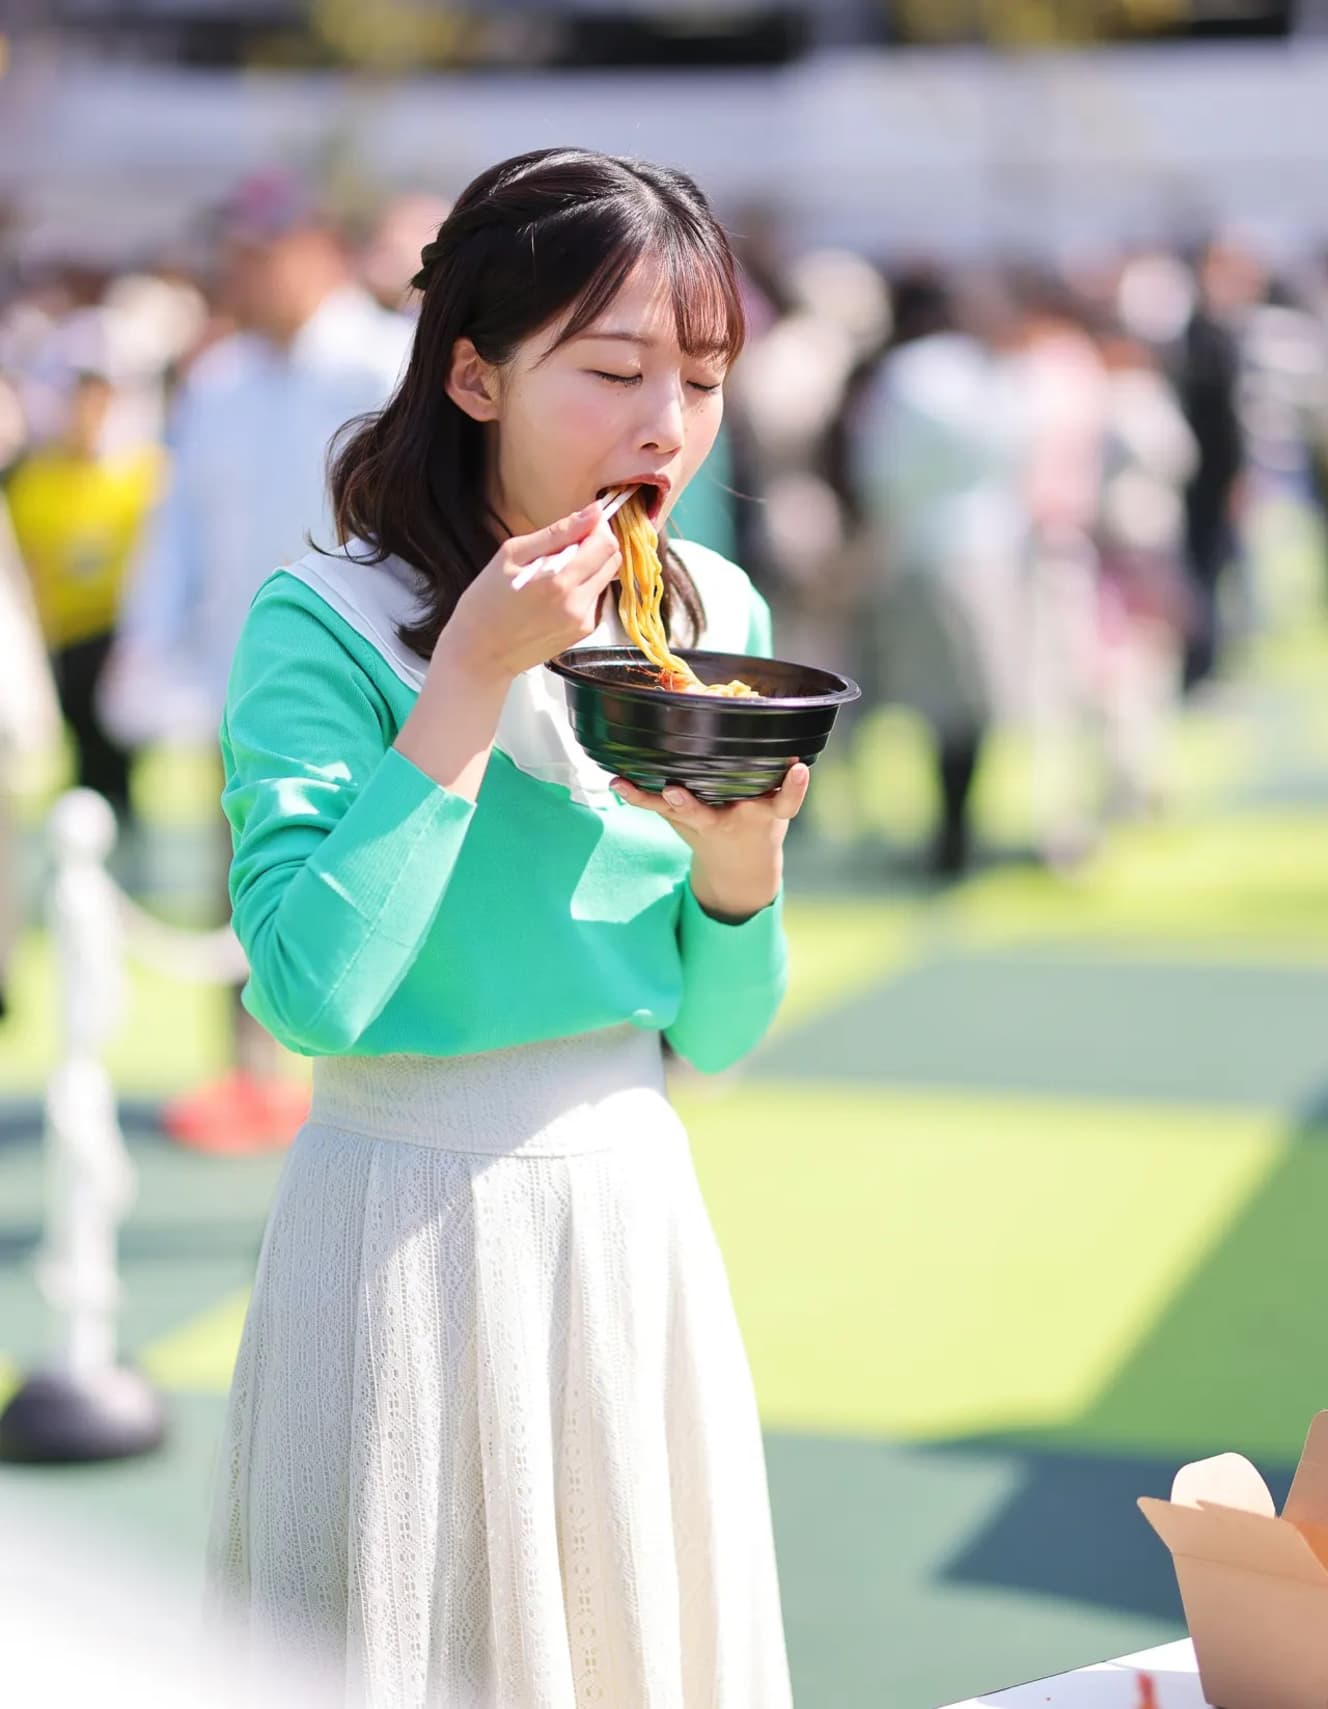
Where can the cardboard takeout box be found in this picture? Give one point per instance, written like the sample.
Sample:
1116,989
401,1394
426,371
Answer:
1254,1585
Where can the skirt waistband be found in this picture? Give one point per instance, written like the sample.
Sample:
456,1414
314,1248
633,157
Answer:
550,1099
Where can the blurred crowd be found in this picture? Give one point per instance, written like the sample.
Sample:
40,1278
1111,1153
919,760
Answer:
1014,494
1002,494
163,437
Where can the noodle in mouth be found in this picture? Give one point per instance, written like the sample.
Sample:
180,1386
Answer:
640,600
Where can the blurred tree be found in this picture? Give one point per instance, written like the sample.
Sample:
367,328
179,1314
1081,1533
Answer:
1048,23
395,36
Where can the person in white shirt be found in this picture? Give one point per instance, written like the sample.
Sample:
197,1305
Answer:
1145,606
939,449
251,428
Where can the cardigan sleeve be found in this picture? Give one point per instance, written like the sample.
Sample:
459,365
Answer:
734,976
343,849
733,980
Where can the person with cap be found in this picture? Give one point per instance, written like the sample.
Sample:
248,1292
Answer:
252,424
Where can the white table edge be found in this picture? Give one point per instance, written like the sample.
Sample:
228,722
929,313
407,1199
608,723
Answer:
1171,1658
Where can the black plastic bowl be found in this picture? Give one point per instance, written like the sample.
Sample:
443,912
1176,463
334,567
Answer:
722,750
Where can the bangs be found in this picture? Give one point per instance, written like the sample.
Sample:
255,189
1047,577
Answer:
707,307
700,278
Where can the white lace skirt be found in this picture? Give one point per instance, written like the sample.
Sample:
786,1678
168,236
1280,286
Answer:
492,1441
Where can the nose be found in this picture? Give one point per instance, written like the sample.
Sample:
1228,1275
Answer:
662,428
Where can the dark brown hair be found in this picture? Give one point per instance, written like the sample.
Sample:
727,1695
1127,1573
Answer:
555,232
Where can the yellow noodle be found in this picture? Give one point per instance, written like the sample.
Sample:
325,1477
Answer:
640,600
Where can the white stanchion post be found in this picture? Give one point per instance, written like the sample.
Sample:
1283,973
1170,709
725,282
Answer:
91,1182
87,1407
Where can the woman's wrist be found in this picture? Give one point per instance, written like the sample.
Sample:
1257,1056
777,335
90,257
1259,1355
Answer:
450,730
735,897
457,663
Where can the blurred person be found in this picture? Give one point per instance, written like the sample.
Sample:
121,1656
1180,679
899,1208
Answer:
27,313
1149,456
1312,281
390,255
491,1336
1062,382
1208,376
78,512
11,229
760,243
1283,394
938,464
759,236
52,331
851,293
132,327
251,426
1154,298
157,318
122,323
13,426
29,726
790,395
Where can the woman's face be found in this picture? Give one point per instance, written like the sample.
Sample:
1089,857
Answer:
619,402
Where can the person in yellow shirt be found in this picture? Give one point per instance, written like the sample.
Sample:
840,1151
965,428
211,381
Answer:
29,726
78,514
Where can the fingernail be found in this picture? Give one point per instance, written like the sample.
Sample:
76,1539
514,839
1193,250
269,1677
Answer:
586,514
675,797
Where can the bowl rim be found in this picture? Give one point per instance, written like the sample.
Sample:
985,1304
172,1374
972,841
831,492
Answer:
563,665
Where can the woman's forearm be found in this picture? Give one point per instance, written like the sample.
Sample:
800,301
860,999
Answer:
450,731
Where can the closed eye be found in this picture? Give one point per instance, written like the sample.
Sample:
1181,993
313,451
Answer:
635,379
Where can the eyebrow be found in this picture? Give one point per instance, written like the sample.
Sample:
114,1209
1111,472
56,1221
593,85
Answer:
620,336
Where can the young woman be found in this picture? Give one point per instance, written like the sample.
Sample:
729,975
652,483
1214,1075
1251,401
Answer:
492,1439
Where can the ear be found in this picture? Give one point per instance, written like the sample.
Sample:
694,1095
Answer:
472,383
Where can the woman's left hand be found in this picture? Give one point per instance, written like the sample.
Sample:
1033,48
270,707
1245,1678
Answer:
737,851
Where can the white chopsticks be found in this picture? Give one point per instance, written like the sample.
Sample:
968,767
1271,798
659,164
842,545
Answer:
555,561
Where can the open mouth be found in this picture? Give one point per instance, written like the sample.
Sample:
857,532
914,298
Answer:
649,494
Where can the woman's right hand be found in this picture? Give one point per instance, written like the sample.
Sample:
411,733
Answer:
497,631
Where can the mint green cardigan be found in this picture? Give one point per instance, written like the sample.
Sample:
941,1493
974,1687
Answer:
380,913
